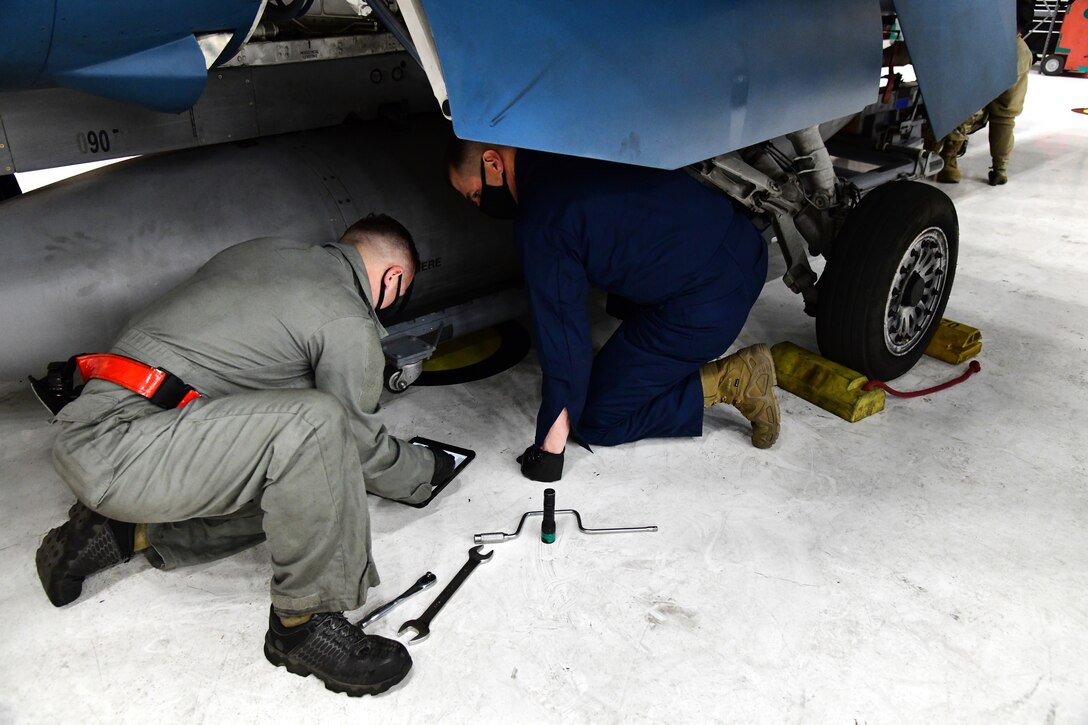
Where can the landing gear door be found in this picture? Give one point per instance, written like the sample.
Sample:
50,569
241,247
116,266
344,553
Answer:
652,83
964,54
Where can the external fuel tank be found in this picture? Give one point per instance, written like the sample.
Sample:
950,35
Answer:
81,256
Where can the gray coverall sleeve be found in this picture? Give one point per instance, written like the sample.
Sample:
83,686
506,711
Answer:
348,363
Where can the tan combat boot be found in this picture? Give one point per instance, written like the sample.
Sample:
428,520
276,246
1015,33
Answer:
950,154
746,380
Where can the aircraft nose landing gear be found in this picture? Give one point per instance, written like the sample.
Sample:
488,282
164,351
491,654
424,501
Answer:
884,291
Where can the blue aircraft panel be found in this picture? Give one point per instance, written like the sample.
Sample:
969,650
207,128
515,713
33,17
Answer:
651,83
168,77
26,30
964,54
130,50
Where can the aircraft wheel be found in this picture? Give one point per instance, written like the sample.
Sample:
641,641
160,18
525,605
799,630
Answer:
1053,65
885,288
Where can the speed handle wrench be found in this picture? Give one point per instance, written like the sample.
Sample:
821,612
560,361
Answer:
495,537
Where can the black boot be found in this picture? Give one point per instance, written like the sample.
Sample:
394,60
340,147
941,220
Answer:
338,653
85,544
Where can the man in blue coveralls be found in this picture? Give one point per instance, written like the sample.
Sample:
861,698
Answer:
685,267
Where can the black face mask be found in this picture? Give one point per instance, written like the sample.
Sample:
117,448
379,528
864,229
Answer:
393,312
496,201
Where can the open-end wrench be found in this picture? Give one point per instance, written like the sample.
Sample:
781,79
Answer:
422,625
373,616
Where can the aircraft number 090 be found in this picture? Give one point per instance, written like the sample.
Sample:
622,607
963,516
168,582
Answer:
95,142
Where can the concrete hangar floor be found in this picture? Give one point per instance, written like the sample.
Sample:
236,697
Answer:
928,564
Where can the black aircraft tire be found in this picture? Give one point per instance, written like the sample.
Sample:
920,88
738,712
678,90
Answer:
885,288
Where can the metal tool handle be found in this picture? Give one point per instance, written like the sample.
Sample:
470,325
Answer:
494,537
445,595
422,583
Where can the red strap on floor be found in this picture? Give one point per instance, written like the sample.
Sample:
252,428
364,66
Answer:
972,368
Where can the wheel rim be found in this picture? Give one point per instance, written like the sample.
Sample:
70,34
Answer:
916,291
1052,65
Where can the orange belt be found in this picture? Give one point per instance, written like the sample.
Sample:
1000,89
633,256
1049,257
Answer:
161,387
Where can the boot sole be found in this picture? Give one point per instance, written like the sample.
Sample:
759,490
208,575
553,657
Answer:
60,589
279,659
61,549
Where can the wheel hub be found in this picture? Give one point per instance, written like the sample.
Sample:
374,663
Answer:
916,291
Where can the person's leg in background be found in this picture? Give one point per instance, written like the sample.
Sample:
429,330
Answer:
1003,111
950,148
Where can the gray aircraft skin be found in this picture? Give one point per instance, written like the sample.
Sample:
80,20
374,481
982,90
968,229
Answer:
81,256
244,160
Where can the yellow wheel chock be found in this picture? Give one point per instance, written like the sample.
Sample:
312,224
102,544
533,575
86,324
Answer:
828,385
840,390
955,342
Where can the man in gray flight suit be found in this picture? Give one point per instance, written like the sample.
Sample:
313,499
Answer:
281,341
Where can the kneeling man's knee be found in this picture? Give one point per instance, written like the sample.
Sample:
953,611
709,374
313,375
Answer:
599,430
320,408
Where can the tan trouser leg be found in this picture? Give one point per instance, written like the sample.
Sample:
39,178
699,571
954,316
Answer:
1005,108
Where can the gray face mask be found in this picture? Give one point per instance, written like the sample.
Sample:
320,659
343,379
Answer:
496,201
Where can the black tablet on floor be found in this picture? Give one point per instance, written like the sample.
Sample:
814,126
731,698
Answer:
461,458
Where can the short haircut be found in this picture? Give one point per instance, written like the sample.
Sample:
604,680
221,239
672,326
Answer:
464,156
387,236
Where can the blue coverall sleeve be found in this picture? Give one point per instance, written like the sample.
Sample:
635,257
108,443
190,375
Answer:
558,295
